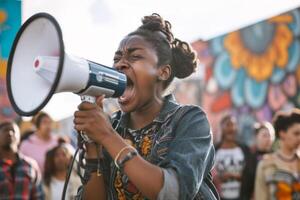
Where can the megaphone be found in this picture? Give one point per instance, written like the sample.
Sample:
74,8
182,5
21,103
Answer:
38,67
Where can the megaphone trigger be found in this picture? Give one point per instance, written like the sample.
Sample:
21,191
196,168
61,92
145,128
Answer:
90,99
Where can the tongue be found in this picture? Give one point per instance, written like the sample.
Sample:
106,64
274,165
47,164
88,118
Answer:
127,94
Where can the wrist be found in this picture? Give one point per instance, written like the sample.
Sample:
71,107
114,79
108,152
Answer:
92,151
108,138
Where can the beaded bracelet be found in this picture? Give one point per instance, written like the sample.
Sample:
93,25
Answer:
128,157
120,152
91,166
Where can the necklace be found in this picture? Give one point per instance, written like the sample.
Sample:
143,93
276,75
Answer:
285,159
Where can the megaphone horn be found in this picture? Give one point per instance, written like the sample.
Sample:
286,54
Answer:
38,67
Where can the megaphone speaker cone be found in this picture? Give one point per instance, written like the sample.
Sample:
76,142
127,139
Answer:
28,92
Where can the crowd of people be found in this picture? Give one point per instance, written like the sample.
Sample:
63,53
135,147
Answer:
270,169
35,168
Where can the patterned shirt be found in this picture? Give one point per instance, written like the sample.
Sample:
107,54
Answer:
20,180
275,180
178,140
141,140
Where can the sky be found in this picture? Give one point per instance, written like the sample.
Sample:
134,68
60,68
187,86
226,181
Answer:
92,29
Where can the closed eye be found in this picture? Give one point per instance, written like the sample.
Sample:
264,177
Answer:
117,59
136,57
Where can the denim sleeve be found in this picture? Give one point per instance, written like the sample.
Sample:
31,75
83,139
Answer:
170,189
191,153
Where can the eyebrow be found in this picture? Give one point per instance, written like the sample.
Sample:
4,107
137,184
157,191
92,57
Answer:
129,50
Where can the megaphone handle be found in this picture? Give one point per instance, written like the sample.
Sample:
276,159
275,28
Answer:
90,99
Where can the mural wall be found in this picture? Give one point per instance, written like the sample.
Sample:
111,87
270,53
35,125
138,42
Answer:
10,21
252,72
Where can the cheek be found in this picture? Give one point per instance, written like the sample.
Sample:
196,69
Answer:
292,139
266,138
145,80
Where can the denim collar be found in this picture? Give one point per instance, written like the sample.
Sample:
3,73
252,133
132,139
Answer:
169,107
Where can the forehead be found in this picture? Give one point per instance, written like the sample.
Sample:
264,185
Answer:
229,121
134,41
61,150
295,127
45,118
263,130
7,127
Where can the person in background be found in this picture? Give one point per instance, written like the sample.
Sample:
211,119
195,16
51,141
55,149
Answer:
56,168
264,138
20,177
230,160
36,145
278,174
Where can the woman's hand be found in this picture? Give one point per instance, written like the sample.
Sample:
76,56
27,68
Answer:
91,119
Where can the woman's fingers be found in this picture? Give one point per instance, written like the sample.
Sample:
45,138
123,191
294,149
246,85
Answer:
80,127
99,100
87,106
80,120
82,114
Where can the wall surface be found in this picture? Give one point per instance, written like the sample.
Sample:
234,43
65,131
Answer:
252,72
10,21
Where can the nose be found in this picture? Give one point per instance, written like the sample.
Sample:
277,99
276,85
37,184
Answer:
122,65
11,133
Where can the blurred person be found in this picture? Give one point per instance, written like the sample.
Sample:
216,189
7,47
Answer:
56,167
230,160
264,138
278,174
20,178
37,144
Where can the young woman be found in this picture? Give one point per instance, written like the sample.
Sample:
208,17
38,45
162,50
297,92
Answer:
278,174
155,148
56,167
37,144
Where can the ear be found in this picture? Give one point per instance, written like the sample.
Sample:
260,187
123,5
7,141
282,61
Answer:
164,72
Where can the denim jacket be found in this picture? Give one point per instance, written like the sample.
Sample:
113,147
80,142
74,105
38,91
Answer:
183,143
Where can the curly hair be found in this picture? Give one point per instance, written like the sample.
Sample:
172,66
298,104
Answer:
282,121
170,50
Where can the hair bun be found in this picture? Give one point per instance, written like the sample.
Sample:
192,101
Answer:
184,59
155,22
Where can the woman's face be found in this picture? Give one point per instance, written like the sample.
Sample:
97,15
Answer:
264,140
138,60
45,125
291,137
229,129
61,159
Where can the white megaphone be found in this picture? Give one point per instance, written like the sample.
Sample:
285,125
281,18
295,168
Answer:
38,67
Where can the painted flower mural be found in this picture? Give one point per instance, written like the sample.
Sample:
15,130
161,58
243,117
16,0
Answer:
258,64
254,71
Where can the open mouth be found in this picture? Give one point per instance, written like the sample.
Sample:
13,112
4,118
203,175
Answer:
129,82
129,92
